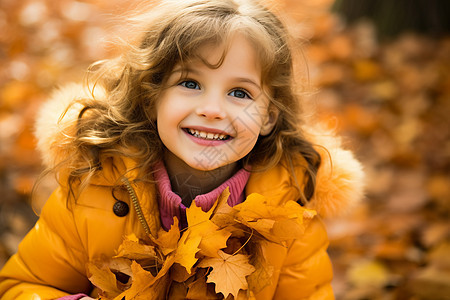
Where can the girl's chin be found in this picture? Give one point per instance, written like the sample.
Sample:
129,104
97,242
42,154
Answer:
209,166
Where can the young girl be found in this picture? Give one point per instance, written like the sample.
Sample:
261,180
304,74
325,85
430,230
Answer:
200,110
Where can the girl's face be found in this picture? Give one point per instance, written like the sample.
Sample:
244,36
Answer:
210,118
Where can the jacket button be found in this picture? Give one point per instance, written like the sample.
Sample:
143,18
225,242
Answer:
120,209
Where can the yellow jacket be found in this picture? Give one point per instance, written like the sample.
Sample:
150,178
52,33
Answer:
51,260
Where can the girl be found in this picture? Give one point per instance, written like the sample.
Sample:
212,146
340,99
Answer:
201,109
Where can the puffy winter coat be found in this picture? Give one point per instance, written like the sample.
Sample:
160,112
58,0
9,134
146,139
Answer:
51,260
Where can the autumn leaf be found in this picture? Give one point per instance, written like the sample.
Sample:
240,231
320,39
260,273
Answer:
275,223
144,285
102,277
200,290
212,237
262,276
228,273
168,240
177,291
131,248
178,273
223,214
187,248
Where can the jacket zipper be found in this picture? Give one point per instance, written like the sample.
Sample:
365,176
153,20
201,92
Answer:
136,205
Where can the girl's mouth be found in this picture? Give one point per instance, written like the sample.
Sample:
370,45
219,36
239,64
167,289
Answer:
207,135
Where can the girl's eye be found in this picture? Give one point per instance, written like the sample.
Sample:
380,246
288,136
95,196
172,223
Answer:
189,84
240,94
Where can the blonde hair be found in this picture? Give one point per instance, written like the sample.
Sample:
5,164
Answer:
124,122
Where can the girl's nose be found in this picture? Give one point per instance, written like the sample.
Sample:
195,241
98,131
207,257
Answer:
211,108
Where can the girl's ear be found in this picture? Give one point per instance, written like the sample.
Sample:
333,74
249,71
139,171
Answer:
271,120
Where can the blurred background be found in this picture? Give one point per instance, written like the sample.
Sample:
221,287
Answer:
380,72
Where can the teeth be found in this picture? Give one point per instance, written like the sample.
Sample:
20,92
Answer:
207,135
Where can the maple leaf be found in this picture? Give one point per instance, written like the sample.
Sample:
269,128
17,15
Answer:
262,276
103,278
168,240
131,248
223,214
275,223
228,272
186,250
200,290
145,285
212,237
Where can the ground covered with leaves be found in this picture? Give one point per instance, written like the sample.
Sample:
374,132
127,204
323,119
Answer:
389,98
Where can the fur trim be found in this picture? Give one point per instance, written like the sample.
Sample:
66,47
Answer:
340,179
55,116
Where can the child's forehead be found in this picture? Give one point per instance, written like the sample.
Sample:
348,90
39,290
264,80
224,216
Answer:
213,53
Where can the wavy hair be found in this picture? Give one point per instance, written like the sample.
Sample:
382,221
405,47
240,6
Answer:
124,121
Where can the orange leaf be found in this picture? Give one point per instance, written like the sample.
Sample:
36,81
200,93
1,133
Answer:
168,240
223,214
262,276
187,248
228,272
275,223
131,248
200,290
212,238
102,277
145,285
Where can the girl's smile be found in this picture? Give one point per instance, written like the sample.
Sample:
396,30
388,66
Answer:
207,136
210,117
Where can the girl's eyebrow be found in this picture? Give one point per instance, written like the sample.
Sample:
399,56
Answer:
247,80
187,70
184,70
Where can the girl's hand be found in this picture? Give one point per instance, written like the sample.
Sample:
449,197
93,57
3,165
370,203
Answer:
86,298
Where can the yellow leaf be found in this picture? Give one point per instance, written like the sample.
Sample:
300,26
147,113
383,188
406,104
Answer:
196,216
131,248
102,277
200,290
168,240
212,238
223,214
122,265
187,248
228,272
145,285
141,281
178,273
275,223
262,276
368,273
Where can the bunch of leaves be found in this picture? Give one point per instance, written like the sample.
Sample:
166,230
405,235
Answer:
218,256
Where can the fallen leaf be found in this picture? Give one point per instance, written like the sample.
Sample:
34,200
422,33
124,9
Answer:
275,223
223,214
212,237
368,273
228,273
144,285
200,290
168,240
262,276
131,248
101,276
187,248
